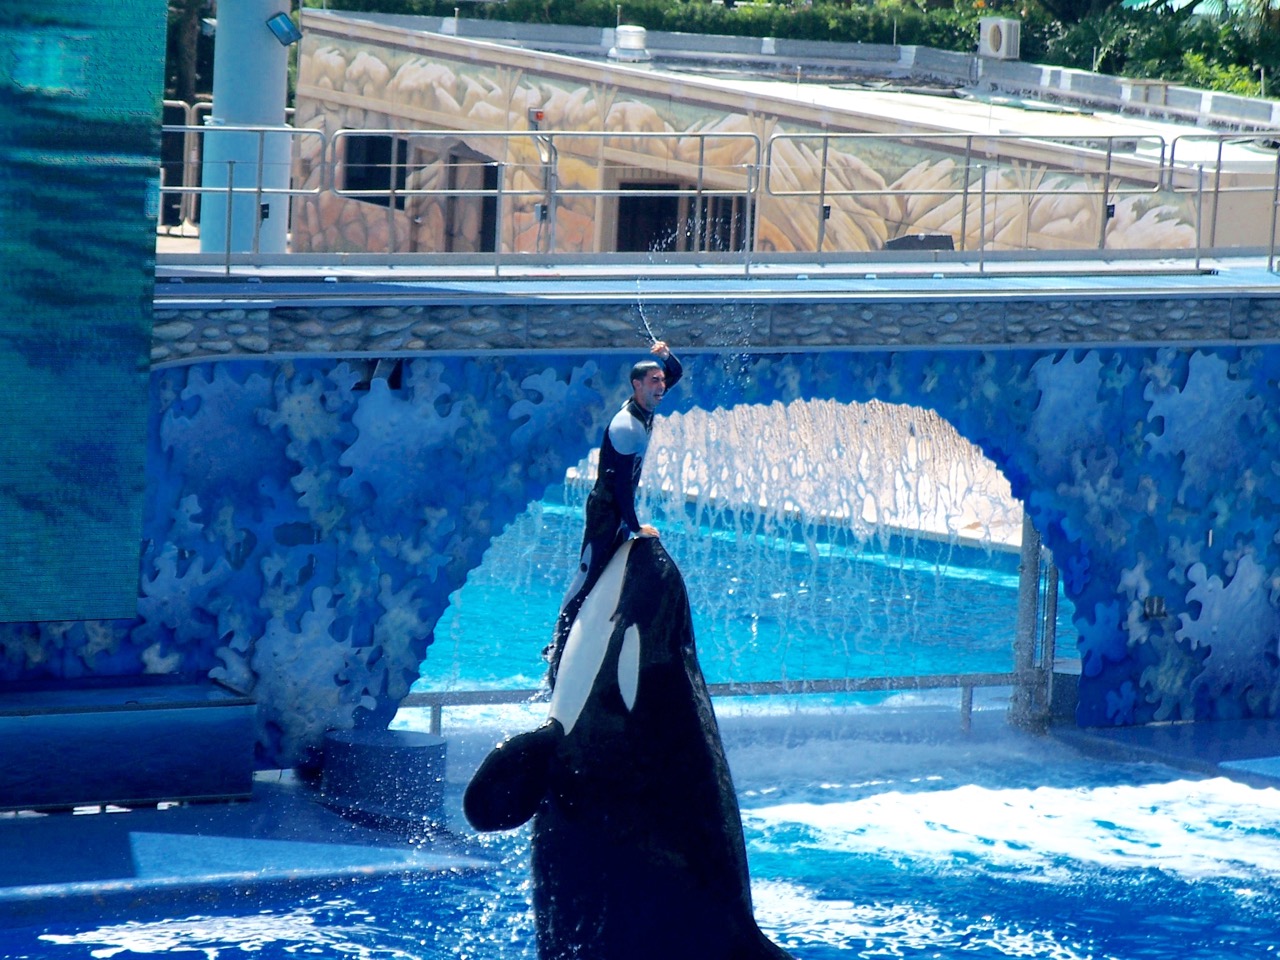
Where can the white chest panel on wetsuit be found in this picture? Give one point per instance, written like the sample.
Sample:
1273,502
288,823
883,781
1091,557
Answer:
627,434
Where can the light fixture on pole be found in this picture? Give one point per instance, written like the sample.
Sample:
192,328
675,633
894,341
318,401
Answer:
285,30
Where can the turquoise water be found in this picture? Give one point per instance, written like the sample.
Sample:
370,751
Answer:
768,604
875,829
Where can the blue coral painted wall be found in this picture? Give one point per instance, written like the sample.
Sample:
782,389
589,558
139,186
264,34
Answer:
305,524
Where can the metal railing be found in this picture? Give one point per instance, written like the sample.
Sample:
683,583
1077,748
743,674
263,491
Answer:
989,172
528,176
251,167
975,194
188,166
965,683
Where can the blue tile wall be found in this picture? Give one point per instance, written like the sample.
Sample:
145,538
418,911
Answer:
306,523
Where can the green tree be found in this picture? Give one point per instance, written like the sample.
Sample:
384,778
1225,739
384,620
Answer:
1069,12
183,80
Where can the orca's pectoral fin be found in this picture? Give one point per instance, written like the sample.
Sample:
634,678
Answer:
508,786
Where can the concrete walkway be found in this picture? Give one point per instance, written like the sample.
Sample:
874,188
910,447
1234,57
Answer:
117,860
1243,750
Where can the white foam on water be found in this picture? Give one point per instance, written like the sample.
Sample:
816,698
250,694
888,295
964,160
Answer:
1192,828
797,919
219,936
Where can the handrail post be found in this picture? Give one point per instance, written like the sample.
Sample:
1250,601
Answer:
553,186
257,194
1217,194
1104,217
1199,210
964,206
190,165
391,197
1275,201
1021,704
231,199
982,220
499,204
822,193
1049,627
697,199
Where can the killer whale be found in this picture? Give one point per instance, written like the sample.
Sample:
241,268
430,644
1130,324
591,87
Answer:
636,844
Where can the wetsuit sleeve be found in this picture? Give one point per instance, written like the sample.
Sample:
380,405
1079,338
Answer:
624,495
673,370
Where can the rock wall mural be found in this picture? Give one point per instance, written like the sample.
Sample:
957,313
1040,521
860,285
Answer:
306,523
995,197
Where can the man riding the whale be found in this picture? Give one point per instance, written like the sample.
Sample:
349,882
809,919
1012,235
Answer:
611,506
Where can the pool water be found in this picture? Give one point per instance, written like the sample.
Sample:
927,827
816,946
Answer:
875,827
786,602
878,832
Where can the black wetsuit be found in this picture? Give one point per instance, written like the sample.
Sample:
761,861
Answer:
611,505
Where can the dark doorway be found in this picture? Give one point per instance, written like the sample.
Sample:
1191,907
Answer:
720,223
681,222
648,224
489,210
471,218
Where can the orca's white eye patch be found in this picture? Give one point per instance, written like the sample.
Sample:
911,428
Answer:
629,666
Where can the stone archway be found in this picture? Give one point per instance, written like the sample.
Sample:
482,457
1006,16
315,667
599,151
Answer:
819,542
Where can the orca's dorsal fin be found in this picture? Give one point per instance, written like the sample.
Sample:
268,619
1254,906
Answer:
508,786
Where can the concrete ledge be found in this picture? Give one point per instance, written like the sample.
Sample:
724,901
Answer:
138,740
1243,750
364,315
209,855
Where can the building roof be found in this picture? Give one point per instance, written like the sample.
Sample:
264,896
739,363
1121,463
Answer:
887,88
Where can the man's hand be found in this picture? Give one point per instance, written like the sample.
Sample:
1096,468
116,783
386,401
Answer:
660,349
647,530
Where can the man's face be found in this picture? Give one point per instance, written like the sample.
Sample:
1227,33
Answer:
649,389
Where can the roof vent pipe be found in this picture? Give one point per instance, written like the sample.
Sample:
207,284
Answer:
629,44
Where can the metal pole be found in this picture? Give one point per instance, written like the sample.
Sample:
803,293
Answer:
1275,200
1049,648
391,196
553,186
697,209
982,221
1217,194
1103,219
231,196
822,194
497,221
1199,210
964,206
257,194
1024,644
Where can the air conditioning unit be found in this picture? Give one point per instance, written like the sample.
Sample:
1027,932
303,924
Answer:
999,37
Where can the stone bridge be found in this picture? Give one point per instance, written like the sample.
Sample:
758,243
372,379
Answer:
312,502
